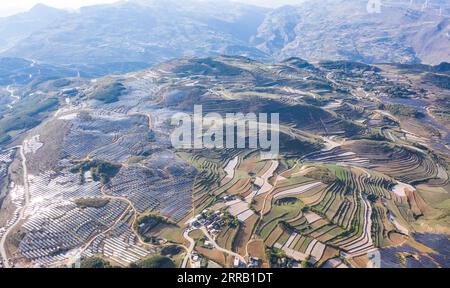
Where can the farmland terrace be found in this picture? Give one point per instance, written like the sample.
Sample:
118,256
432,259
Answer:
356,175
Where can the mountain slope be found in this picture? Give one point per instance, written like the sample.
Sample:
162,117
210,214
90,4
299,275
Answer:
362,164
17,27
152,31
340,29
145,31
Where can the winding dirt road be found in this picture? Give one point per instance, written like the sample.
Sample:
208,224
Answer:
189,249
22,210
216,246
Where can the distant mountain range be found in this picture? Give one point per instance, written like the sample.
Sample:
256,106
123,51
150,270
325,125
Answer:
345,30
140,33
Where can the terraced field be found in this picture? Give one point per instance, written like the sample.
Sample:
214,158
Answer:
354,177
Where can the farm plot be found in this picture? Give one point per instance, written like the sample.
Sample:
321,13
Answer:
346,213
277,214
245,232
263,181
296,191
292,184
240,209
338,156
212,181
402,163
301,248
231,166
226,238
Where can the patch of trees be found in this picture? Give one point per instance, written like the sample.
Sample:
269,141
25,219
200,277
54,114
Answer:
94,262
401,110
61,83
348,66
299,63
91,202
322,174
318,101
278,259
13,123
109,93
154,262
374,136
101,170
71,92
230,220
286,201
171,251
372,198
147,222
297,146
208,66
4,138
351,129
32,106
443,67
25,115
441,81
397,91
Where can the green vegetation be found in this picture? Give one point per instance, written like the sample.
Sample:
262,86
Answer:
277,258
71,92
208,66
286,201
154,262
374,135
91,202
351,129
278,214
442,113
171,251
34,105
94,262
13,123
61,83
230,220
101,170
299,63
317,101
401,110
145,223
347,66
306,263
398,91
4,138
109,93
441,81
322,174
152,218
25,115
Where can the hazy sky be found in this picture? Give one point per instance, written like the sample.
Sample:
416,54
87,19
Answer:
8,7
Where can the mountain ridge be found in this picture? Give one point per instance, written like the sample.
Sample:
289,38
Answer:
152,32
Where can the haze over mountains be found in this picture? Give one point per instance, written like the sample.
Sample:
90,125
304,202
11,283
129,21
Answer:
344,30
146,32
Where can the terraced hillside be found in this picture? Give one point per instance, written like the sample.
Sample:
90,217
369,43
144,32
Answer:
363,168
